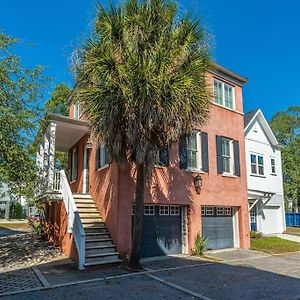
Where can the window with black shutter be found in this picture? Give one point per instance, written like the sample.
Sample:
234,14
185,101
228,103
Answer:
102,157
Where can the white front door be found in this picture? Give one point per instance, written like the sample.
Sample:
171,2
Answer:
86,169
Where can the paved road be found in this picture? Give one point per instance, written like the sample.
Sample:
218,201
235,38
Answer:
241,275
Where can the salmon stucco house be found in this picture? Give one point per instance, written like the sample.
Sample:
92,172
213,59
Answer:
198,187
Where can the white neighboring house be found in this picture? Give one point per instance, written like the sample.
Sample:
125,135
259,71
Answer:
264,175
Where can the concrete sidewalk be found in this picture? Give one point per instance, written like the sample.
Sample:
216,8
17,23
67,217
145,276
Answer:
289,237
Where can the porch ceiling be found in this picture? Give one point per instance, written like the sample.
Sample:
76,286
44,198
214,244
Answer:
68,131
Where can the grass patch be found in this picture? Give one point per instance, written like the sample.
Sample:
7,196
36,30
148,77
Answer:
293,230
15,226
274,245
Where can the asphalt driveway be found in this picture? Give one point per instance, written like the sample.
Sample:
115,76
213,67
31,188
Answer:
238,274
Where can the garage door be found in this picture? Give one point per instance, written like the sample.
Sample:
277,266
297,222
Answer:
161,231
271,220
217,227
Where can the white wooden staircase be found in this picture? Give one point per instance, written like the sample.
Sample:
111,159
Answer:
99,248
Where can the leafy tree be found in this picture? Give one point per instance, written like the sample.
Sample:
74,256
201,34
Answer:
58,104
20,90
286,127
58,101
141,83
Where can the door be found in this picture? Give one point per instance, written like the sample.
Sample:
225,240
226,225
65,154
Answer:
271,220
217,227
162,230
86,169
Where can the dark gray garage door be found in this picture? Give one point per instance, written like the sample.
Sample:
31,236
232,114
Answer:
217,227
161,231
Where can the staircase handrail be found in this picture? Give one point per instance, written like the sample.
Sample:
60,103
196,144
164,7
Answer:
74,224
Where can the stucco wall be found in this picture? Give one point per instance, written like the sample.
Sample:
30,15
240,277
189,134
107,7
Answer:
57,229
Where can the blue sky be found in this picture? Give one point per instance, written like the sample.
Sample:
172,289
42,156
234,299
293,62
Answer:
257,39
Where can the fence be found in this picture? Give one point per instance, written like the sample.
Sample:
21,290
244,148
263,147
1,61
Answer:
292,219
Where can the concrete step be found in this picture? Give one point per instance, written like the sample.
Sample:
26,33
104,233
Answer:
93,230
102,256
82,196
102,262
88,224
87,210
100,249
93,219
85,205
89,215
97,236
98,242
84,201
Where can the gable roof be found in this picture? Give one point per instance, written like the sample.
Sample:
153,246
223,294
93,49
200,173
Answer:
249,120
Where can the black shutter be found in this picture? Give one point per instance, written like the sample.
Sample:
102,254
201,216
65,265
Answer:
70,165
108,158
219,154
236,150
133,154
183,152
164,156
204,149
97,157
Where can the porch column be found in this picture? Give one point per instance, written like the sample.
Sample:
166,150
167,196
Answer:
51,155
46,159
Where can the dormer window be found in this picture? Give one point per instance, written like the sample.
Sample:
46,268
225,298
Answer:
223,94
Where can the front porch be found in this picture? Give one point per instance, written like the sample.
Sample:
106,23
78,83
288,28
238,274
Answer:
59,134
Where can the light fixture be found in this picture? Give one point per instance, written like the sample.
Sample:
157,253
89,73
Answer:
198,183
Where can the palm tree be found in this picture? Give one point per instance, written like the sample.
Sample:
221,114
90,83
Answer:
141,83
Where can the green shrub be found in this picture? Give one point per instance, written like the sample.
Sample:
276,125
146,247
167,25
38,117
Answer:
200,246
255,235
16,211
36,225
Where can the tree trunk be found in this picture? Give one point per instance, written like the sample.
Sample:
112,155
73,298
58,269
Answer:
134,261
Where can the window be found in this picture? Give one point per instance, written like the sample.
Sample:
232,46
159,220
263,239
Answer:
209,211
193,151
102,157
227,211
220,211
77,110
227,155
252,216
163,210
203,210
73,164
162,158
149,210
133,210
257,164
224,94
174,210
273,166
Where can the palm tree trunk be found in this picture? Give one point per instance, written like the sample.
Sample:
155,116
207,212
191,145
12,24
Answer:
134,261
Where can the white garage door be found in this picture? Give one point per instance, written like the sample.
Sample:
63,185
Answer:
271,220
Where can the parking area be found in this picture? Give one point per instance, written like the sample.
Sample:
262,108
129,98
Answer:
235,274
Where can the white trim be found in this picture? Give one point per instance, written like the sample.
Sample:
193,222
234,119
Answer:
184,230
103,167
233,108
85,167
265,126
235,224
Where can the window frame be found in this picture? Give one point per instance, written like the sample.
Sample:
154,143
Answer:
197,151
103,159
257,165
273,166
176,210
229,157
74,165
164,210
209,211
149,210
77,110
223,97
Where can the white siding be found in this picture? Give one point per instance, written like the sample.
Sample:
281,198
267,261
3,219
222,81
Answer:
271,218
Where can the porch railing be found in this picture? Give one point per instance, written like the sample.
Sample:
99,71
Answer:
74,224
56,181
